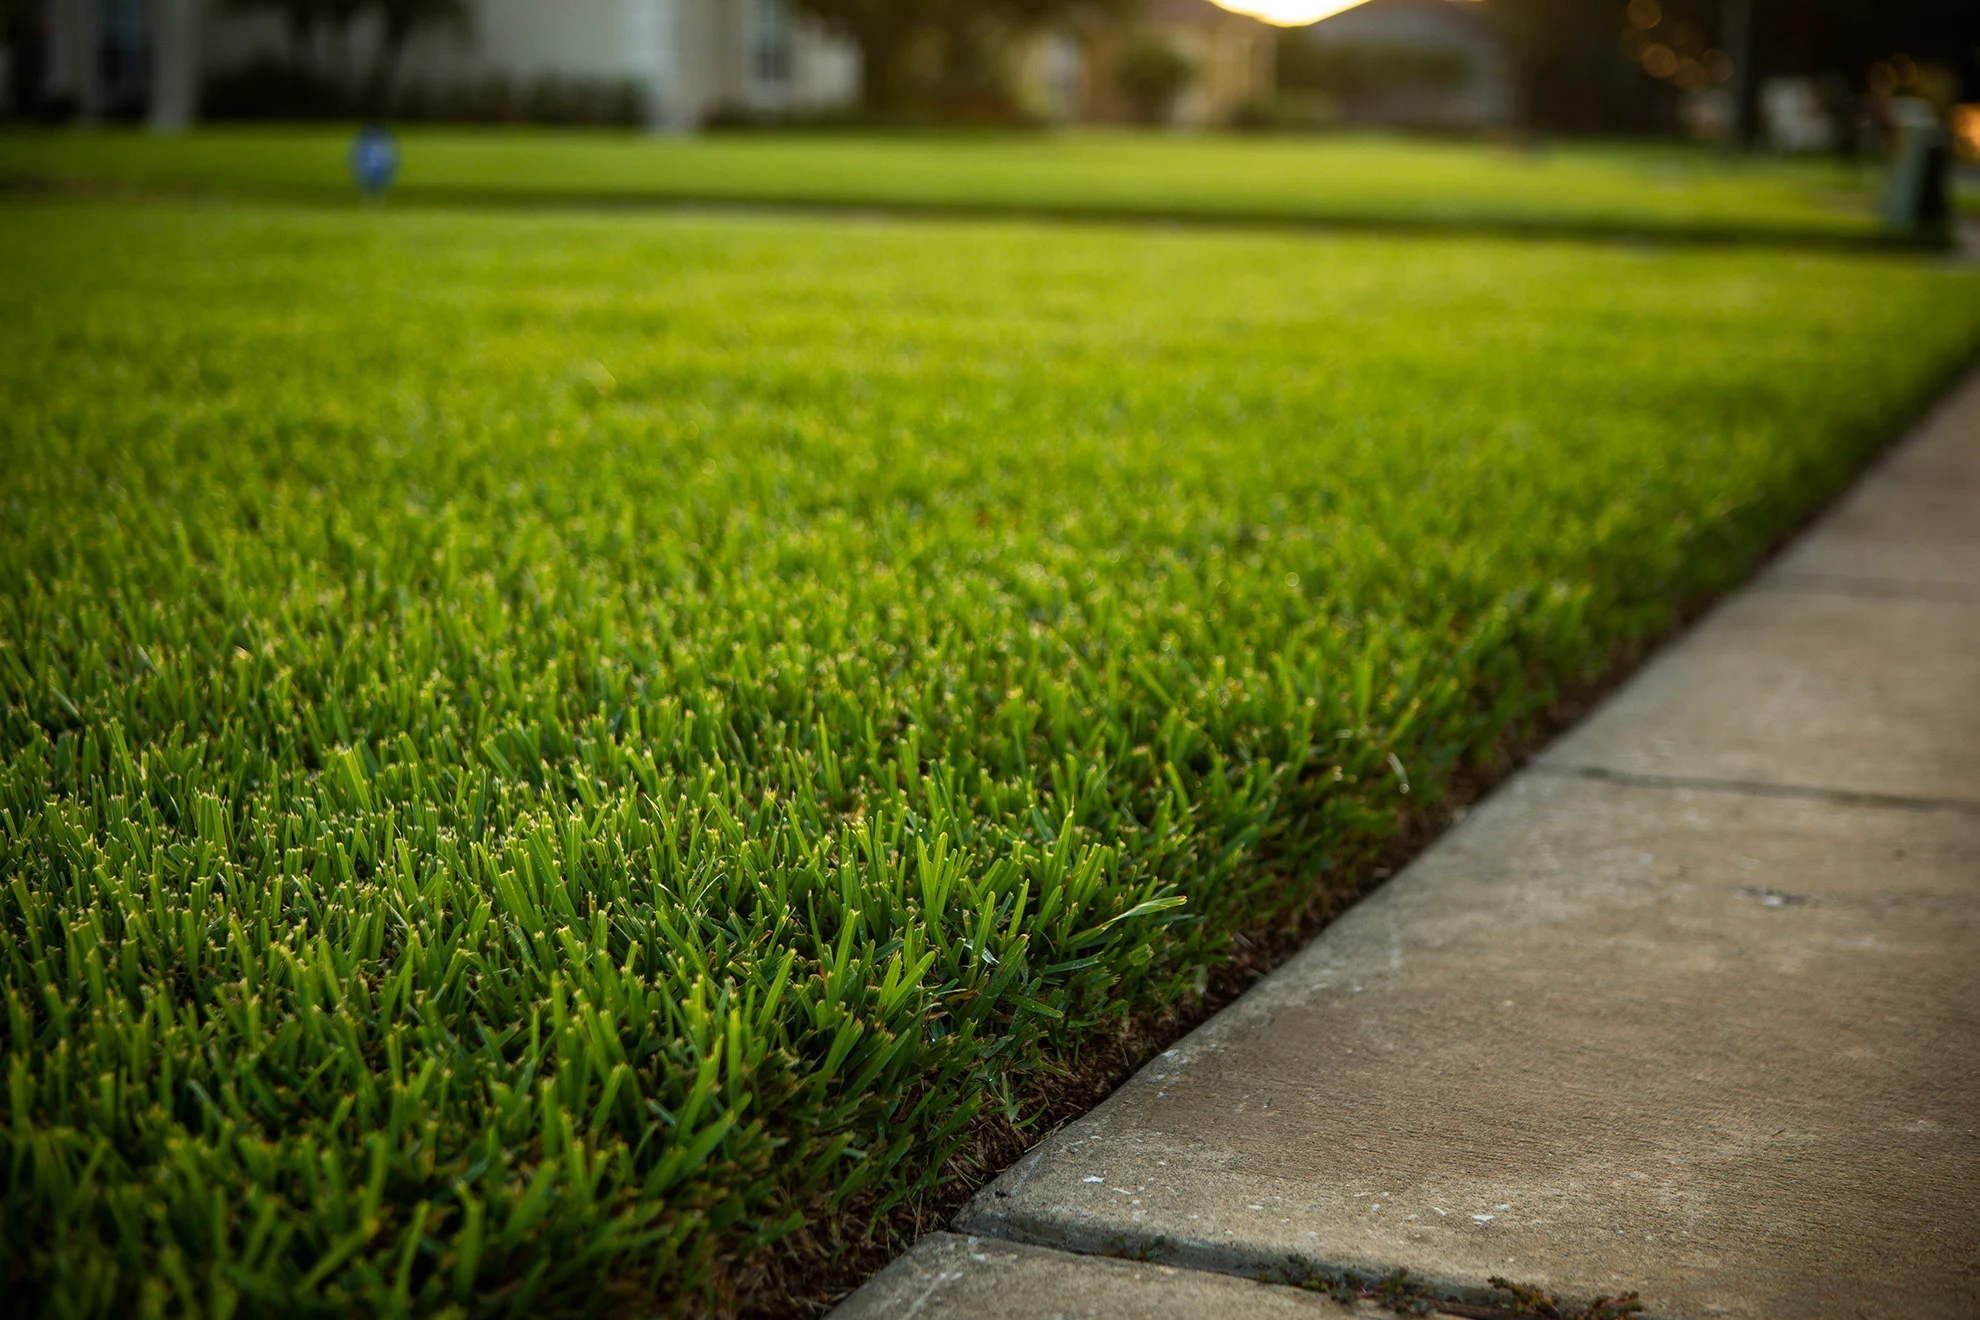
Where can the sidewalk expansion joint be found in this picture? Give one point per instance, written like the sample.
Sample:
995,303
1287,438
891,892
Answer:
1389,1289
1840,797
1869,588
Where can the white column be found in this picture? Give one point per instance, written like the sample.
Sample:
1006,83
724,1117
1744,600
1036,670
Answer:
653,58
174,65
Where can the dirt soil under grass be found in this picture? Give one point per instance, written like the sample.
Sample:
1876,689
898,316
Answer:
551,762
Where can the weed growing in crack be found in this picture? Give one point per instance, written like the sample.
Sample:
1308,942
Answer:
1145,1250
1395,1290
1530,1303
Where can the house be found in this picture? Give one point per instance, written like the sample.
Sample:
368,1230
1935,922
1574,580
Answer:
1431,64
684,59
97,57
1075,74
1230,57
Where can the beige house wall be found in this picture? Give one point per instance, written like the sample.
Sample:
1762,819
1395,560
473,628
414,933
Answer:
1234,67
1068,75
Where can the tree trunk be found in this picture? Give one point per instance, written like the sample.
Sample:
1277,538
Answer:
1745,89
384,71
299,26
883,77
343,65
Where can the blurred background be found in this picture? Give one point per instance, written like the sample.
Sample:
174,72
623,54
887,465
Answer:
1798,76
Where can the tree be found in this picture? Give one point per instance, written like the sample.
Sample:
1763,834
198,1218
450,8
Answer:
401,20
887,31
398,22
1153,73
883,30
21,23
1577,77
300,19
1847,36
1573,74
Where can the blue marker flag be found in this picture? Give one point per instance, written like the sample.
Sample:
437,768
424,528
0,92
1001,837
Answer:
374,159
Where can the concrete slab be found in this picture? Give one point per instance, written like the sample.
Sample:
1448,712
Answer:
1720,1048
1941,447
987,1279
1849,693
1912,527
1916,538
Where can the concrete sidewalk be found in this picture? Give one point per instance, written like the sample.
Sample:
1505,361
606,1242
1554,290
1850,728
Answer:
1689,1007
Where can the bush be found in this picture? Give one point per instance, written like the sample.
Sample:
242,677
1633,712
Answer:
278,89
1358,69
1153,73
274,89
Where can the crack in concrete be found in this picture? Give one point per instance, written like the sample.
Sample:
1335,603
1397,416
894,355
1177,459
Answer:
1841,797
1870,588
1448,1297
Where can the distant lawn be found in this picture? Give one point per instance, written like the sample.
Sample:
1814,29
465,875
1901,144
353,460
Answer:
1345,179
541,755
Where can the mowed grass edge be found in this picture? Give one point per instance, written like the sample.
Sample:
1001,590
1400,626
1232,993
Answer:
1668,189
543,756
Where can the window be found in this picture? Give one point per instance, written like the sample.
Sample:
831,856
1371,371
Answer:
770,41
123,55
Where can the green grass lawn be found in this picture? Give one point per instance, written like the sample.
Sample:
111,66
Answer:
541,754
1354,179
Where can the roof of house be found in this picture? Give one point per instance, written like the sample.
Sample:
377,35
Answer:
1461,15
1191,11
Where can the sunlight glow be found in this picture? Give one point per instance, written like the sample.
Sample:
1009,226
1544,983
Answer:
1289,13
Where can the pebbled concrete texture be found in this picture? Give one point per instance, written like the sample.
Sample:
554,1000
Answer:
1690,1007
988,1279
